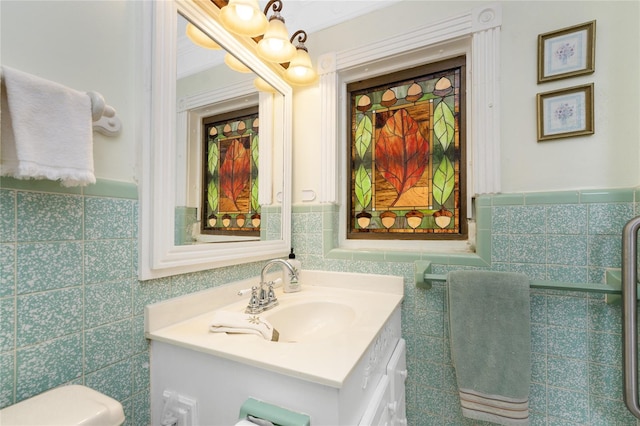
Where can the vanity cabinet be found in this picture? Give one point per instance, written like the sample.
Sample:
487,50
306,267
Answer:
387,407
371,394
397,373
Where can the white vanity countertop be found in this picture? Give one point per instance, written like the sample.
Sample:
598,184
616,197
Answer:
184,321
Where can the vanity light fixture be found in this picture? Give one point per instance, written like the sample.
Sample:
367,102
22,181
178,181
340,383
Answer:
199,38
300,71
275,45
243,17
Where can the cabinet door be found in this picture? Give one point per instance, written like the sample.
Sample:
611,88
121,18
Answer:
377,412
397,373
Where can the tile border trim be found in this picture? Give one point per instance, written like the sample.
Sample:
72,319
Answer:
102,188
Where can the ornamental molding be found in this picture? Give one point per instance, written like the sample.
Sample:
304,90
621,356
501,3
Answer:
480,30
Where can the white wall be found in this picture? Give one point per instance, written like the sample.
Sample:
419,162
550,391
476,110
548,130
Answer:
86,45
608,159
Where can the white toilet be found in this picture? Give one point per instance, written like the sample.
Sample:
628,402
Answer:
73,405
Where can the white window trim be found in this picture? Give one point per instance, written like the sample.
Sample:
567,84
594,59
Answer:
475,33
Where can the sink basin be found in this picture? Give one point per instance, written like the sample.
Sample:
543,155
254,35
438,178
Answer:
307,321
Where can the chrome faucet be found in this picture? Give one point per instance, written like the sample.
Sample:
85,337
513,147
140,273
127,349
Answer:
263,297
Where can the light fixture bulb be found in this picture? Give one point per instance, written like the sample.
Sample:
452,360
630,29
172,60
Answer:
300,71
243,17
199,38
263,86
244,12
275,45
235,64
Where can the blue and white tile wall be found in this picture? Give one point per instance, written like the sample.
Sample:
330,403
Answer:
71,307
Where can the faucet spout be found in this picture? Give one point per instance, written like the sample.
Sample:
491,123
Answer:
273,262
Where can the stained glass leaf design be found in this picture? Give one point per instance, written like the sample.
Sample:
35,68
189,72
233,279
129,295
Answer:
254,196
363,187
212,196
214,155
443,181
401,152
364,131
444,124
254,150
235,171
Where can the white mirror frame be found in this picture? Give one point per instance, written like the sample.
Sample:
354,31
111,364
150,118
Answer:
158,254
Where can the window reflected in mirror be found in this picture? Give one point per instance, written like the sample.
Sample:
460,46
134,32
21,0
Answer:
218,142
229,202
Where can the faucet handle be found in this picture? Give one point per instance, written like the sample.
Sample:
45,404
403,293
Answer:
254,302
254,306
271,295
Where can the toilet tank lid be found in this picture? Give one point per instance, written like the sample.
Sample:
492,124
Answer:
66,405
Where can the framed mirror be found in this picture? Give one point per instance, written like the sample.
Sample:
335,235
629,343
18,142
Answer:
175,234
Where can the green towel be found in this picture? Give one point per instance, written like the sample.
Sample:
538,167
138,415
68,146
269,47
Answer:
490,331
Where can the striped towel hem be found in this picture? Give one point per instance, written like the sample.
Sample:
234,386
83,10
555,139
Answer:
494,408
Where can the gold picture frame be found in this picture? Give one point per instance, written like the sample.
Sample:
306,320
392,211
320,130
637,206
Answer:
565,113
568,52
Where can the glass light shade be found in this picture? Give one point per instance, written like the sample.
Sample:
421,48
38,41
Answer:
244,17
300,71
275,45
233,63
263,86
199,38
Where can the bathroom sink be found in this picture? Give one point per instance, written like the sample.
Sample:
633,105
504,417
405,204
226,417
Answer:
305,321
324,329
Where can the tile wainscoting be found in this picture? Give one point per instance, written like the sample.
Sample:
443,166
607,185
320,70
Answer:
71,306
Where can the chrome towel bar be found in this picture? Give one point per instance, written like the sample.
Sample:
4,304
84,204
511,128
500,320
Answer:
611,288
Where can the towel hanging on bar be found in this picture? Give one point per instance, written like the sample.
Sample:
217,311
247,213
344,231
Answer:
489,319
47,129
47,132
105,118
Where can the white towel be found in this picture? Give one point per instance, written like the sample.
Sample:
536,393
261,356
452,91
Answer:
253,421
240,323
46,130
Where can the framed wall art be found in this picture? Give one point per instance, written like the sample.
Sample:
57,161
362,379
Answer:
567,52
565,113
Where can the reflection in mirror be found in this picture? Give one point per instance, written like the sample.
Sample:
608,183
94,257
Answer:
219,198
229,206
218,147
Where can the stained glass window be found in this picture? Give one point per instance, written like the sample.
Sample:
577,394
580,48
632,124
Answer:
230,162
407,154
